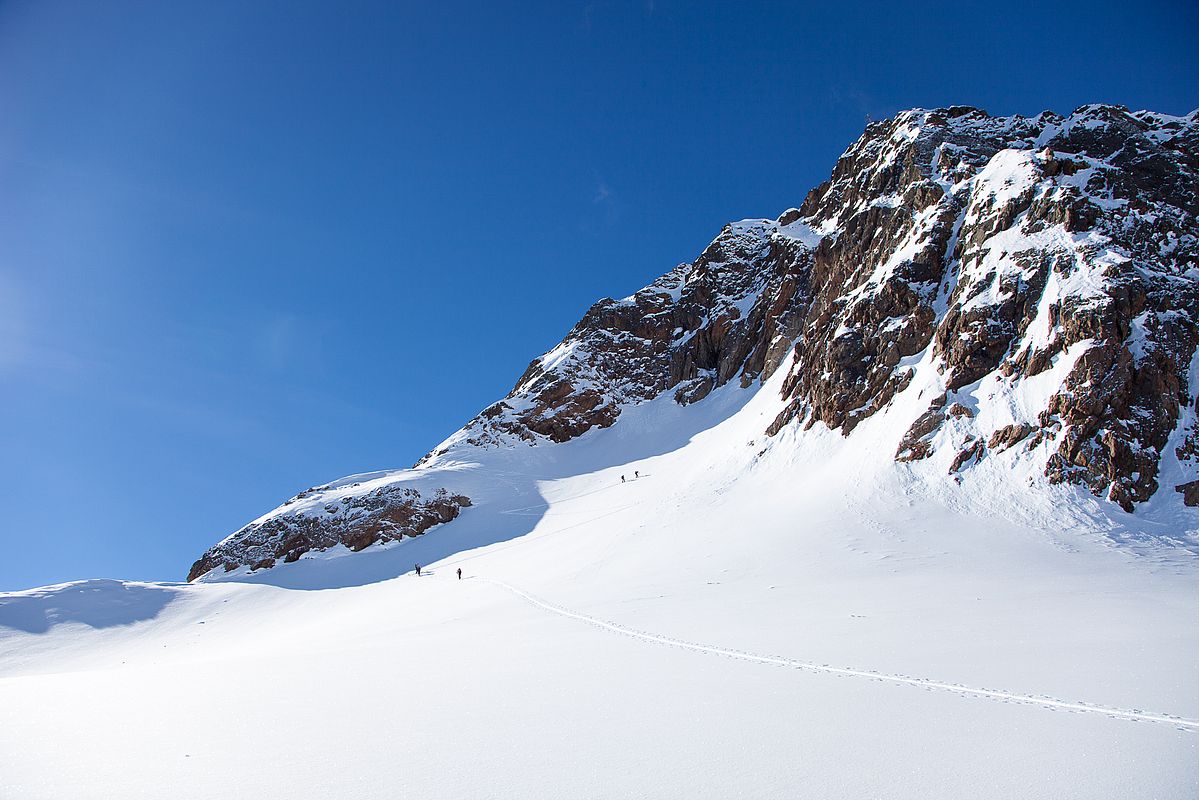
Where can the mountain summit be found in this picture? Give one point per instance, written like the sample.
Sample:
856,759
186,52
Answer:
1010,296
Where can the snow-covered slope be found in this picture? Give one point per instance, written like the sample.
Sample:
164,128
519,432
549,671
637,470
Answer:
1026,289
838,510
781,619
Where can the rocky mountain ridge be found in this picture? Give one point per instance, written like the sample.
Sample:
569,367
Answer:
1035,280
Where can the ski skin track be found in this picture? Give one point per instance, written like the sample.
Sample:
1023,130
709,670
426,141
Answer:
1116,713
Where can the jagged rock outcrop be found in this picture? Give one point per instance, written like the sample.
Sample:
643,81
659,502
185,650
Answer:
1000,245
327,516
732,313
1036,278
1189,492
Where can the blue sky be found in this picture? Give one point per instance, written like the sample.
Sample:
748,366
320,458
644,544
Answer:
246,248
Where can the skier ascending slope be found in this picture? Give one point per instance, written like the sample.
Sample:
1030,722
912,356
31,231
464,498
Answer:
459,573
417,570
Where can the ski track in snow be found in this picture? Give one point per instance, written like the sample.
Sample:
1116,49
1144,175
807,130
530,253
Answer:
1132,715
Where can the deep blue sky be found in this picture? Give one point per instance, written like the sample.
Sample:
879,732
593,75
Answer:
246,248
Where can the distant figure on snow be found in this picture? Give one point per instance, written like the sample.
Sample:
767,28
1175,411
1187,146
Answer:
636,474
417,570
622,479
459,573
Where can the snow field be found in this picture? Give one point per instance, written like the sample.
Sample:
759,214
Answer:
788,618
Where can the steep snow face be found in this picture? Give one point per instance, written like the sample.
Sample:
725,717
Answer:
1027,287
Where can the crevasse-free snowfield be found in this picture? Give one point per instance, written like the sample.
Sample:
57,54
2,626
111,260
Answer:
712,628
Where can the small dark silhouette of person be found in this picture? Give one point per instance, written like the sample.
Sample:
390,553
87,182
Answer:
622,479
636,474
417,570
459,573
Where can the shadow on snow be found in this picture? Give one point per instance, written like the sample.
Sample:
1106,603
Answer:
511,502
97,603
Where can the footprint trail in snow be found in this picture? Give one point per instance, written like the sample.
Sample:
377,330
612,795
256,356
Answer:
1133,715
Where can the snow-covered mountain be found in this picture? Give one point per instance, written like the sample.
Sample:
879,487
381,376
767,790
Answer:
888,497
1028,287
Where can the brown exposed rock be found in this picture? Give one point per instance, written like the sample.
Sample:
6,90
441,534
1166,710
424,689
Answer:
1118,408
694,390
561,413
916,443
1188,449
789,216
359,521
1190,493
974,450
1052,167
734,313
959,410
1009,435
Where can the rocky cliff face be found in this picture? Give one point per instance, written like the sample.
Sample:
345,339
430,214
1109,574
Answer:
1004,244
1037,277
733,313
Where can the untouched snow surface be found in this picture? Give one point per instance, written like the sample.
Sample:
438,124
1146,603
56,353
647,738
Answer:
750,618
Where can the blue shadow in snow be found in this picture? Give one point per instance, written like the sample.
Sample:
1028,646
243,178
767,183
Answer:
477,527
517,507
98,603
